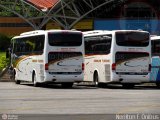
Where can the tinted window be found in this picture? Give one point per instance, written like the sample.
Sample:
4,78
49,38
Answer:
156,47
138,39
65,39
29,45
98,44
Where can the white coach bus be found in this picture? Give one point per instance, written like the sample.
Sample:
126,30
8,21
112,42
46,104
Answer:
48,56
121,56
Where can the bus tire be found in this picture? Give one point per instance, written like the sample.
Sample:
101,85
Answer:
67,85
17,81
128,85
95,79
13,78
35,83
158,84
102,85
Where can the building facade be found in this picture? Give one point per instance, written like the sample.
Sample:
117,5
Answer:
12,26
133,14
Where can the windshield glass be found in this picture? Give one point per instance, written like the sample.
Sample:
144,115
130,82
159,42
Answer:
29,45
100,44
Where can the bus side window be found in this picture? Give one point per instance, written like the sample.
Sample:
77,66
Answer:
156,48
103,45
39,44
88,48
29,45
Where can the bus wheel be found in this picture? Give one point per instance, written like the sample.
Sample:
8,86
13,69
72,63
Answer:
67,85
95,79
34,79
13,78
128,85
17,81
158,84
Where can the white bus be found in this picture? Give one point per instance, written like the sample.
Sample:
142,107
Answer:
48,56
120,56
155,70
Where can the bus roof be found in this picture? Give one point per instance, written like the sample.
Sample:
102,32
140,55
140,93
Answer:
44,31
32,32
38,32
155,37
88,33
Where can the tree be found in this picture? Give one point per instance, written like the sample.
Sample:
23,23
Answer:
4,42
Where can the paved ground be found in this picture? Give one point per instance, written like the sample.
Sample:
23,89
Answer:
52,99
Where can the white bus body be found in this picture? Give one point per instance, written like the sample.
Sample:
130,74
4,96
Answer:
121,56
48,56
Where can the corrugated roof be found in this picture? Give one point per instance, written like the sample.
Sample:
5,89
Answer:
43,4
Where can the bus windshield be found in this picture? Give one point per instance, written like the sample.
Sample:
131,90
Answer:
136,39
65,39
29,45
98,44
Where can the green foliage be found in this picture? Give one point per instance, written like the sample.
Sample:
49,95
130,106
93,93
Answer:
6,14
4,42
3,61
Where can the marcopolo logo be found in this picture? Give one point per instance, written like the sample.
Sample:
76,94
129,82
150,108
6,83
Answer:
9,117
4,116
